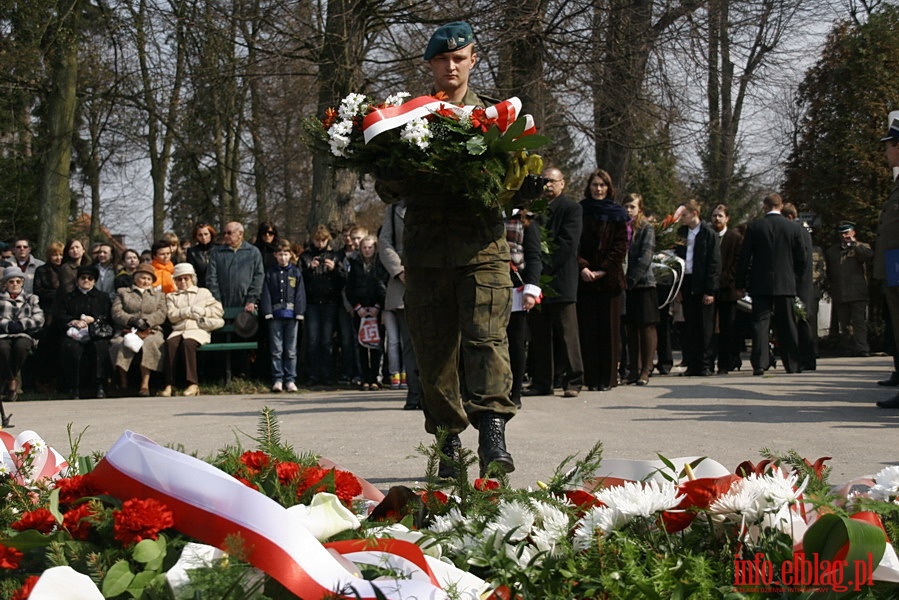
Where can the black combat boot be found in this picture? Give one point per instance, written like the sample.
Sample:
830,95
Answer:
492,444
451,446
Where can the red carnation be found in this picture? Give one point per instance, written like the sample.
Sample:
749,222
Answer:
9,557
40,519
79,521
255,461
23,592
485,485
434,496
72,489
346,486
287,472
141,519
309,479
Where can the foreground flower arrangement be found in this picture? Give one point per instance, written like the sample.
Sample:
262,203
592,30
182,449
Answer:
149,522
426,143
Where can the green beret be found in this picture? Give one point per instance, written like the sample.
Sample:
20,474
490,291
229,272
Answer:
448,38
845,226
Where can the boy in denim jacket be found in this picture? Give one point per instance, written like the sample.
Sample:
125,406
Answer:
283,304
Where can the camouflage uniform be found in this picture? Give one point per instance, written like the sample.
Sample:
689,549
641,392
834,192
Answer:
458,300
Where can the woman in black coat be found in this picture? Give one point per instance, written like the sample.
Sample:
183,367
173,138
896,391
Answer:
76,312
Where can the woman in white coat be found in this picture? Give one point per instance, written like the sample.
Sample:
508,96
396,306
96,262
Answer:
193,313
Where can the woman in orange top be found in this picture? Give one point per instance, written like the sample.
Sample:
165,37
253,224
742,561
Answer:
163,266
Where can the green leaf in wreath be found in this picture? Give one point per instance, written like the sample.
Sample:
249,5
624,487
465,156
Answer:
32,538
148,550
831,534
117,579
140,582
54,505
476,145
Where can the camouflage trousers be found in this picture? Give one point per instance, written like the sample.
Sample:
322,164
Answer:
458,317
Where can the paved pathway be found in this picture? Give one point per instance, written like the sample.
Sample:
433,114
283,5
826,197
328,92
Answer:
829,412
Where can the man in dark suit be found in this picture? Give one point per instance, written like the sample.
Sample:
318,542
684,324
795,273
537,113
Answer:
729,342
555,346
702,256
772,261
805,291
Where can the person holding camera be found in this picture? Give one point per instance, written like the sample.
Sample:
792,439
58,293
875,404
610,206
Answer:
846,264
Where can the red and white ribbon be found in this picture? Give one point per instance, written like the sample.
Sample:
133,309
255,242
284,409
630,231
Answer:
210,505
16,452
392,117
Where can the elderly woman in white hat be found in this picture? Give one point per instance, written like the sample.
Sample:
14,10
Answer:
21,318
193,313
138,313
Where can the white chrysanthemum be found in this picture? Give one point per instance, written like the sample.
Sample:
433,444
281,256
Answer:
780,490
738,501
4,470
755,496
396,99
603,519
351,106
514,520
450,522
417,133
553,527
887,484
641,499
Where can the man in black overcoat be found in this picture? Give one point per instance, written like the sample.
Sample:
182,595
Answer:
773,260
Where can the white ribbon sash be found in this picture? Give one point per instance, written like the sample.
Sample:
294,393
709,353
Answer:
392,117
210,505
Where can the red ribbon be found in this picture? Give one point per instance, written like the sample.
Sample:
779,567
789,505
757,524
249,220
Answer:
210,506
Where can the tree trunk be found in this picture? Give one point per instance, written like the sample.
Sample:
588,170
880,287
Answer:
339,74
625,33
523,61
56,195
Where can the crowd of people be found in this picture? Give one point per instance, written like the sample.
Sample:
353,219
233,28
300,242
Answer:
599,319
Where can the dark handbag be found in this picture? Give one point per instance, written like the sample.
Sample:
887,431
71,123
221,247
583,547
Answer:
100,330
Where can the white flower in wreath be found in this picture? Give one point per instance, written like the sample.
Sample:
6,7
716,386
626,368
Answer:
886,487
513,523
553,530
449,522
339,137
396,99
351,106
603,519
756,496
417,133
641,499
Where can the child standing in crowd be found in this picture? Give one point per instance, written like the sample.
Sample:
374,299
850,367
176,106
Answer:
283,304
365,289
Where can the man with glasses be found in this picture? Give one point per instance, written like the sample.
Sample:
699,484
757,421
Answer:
555,346
23,259
235,270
